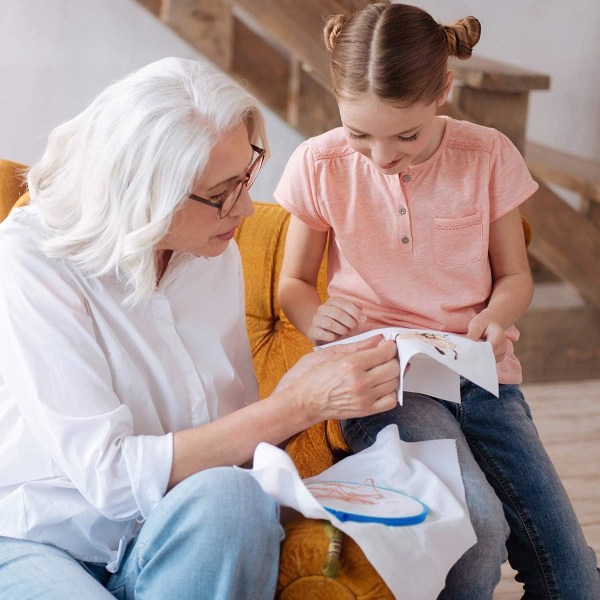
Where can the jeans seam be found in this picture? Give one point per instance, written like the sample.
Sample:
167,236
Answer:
358,423
518,508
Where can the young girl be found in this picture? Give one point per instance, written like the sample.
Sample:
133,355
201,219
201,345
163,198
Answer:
425,232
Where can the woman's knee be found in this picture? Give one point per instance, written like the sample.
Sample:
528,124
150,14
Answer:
225,485
216,531
224,493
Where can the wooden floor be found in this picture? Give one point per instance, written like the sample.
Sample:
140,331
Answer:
568,419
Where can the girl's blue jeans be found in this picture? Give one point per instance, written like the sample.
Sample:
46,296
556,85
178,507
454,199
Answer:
215,536
508,478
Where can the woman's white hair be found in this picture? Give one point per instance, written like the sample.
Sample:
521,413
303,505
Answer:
112,177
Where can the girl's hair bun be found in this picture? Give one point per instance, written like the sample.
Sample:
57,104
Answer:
332,30
462,36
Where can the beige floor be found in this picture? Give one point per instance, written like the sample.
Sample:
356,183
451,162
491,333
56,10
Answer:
568,419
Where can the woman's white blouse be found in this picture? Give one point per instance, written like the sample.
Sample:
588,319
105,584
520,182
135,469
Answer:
90,392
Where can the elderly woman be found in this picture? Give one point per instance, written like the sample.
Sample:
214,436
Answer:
126,385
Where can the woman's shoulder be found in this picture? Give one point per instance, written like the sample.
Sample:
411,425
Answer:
22,231
22,258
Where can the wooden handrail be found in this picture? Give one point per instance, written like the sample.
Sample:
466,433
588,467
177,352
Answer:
486,74
296,26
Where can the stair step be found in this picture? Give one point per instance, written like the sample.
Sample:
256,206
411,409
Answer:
555,295
567,170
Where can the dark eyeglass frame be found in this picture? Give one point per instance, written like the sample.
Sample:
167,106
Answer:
236,187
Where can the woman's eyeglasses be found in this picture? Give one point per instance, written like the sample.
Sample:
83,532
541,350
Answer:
225,201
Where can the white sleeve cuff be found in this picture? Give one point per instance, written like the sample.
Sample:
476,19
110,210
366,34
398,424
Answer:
149,459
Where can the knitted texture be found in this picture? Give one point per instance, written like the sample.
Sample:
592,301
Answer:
12,186
302,554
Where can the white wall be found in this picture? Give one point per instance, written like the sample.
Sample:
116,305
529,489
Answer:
55,55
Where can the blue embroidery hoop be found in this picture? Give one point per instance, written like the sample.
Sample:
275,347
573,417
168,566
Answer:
416,516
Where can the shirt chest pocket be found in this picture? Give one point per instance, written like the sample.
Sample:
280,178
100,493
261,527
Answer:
458,241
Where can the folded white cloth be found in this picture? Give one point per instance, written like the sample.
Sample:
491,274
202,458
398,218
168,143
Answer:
413,560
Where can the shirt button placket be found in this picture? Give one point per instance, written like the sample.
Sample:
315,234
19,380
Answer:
405,239
166,323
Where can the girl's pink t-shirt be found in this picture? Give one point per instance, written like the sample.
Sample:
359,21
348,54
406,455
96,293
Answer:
411,249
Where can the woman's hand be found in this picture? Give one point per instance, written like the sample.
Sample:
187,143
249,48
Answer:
334,319
483,326
342,381
345,381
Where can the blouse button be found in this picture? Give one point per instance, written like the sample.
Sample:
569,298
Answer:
405,240
406,178
402,211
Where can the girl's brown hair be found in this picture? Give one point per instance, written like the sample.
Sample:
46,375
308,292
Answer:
395,51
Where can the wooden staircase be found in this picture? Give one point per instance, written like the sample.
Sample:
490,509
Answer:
274,47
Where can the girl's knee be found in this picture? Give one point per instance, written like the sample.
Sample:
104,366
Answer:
485,508
488,520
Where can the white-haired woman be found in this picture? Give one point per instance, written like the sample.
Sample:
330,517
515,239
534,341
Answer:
126,384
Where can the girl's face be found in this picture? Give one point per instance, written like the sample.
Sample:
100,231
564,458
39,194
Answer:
196,228
392,137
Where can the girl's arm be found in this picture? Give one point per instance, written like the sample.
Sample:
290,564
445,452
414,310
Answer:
512,284
298,296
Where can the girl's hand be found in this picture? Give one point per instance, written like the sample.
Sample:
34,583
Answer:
345,381
333,320
484,327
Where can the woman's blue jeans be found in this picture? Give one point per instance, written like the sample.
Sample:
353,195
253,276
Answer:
508,477
215,536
